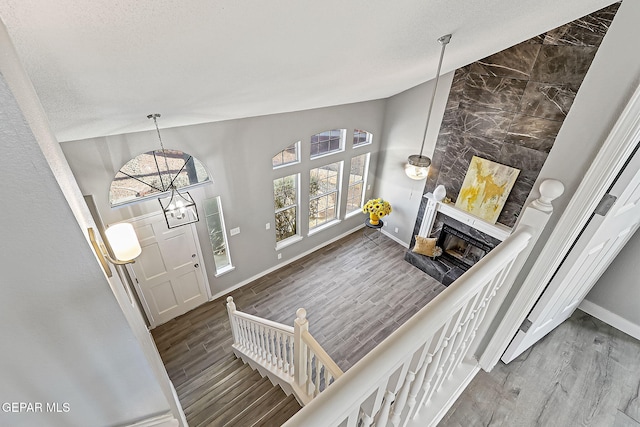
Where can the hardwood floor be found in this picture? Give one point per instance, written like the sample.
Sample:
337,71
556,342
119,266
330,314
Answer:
584,373
356,292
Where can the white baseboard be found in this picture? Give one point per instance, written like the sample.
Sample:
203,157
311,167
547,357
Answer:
283,264
610,318
166,420
394,238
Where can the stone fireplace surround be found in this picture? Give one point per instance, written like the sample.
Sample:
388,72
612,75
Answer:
439,216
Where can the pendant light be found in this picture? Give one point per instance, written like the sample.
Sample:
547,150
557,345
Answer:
179,208
418,165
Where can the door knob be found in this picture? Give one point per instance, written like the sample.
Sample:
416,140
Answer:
196,265
193,255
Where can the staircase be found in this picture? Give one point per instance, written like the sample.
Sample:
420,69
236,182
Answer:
229,393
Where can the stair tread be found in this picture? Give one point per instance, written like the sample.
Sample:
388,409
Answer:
257,409
208,374
227,379
242,403
223,393
286,409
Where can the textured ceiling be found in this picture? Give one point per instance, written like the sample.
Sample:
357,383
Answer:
100,66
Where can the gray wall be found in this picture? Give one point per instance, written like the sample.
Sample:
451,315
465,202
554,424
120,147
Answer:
618,289
237,155
611,80
404,121
509,107
64,337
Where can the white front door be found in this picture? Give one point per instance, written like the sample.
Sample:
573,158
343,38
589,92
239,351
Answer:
599,243
169,274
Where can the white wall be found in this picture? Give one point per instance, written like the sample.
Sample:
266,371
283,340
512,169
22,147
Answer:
404,121
65,338
237,155
618,290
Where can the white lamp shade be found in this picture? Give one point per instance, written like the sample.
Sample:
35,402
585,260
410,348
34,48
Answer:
416,172
124,242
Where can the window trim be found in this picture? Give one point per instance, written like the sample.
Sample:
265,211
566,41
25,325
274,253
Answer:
295,162
229,267
369,139
343,137
160,194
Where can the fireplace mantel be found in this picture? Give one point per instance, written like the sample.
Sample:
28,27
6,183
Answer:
499,231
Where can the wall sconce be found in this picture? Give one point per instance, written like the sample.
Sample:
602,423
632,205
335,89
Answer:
417,165
124,243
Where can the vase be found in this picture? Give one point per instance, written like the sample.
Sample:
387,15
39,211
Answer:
440,193
374,219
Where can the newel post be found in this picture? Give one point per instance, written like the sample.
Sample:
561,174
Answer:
533,219
231,309
300,325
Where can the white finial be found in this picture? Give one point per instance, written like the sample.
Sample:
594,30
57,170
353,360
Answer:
550,189
230,303
301,313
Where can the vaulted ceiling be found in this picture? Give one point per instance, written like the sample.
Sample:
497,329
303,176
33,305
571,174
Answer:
100,66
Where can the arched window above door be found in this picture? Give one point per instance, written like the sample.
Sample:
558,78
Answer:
151,174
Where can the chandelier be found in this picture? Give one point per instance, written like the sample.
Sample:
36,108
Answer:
179,208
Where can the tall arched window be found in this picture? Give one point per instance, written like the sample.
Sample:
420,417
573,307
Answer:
152,173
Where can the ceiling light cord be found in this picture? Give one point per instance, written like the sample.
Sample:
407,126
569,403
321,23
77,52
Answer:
164,153
444,40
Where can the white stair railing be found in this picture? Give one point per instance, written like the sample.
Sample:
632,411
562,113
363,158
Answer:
414,376
289,356
268,343
316,370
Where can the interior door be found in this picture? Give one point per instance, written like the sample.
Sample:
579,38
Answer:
599,243
168,274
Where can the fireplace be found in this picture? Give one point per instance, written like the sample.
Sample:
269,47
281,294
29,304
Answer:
464,240
460,248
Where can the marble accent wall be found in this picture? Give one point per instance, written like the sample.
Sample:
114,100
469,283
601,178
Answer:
509,107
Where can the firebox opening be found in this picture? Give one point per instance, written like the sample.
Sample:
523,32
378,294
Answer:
461,249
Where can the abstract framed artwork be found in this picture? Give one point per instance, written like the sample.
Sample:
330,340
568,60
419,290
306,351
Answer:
485,188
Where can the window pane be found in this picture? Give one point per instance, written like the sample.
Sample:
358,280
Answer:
324,187
354,198
287,156
217,233
358,165
285,196
323,209
324,179
152,172
361,137
285,224
284,191
327,142
357,177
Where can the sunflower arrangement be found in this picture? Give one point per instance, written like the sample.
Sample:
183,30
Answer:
376,208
